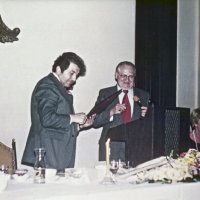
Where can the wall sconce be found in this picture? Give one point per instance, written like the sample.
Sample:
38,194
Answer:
6,34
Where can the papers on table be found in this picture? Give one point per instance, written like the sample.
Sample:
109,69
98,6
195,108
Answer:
157,162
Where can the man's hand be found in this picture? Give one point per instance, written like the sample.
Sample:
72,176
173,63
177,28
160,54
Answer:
79,118
89,122
117,109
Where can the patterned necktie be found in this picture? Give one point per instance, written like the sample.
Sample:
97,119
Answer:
126,114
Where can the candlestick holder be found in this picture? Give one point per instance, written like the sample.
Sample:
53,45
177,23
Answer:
109,177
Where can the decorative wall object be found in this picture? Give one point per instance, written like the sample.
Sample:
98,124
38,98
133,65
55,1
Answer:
6,34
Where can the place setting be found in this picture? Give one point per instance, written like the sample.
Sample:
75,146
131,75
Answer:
114,168
7,175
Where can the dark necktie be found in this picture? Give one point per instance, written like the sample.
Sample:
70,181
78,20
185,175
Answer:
126,114
101,106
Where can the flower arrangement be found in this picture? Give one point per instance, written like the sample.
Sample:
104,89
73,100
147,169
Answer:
185,168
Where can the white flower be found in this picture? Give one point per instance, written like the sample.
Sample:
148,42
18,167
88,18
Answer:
180,169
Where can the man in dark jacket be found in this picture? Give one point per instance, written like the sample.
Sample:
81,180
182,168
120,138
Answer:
121,110
54,125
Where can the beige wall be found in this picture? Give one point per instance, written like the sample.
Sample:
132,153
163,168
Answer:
101,31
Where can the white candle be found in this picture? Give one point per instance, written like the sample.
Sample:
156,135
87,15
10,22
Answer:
108,151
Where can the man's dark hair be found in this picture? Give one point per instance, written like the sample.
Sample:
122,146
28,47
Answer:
69,57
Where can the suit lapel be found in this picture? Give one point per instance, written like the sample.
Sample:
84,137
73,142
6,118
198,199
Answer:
137,110
67,96
60,87
116,118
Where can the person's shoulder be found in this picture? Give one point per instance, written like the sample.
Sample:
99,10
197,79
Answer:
141,91
191,136
108,89
45,82
47,78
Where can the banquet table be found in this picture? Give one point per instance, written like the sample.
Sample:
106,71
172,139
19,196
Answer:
91,189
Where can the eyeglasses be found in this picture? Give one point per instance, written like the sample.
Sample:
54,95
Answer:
124,76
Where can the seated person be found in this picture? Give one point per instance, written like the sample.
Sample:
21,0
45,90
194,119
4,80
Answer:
195,125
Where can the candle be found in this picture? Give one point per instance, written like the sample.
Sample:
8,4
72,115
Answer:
108,151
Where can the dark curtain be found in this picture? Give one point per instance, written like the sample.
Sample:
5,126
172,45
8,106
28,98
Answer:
156,45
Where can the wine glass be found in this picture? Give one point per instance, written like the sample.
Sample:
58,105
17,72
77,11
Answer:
114,166
111,169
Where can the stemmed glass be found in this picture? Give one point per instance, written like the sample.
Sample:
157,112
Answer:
114,166
111,170
110,166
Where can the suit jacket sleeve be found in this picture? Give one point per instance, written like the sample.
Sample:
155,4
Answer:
103,117
51,113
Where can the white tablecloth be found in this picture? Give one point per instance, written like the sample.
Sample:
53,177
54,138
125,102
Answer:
89,189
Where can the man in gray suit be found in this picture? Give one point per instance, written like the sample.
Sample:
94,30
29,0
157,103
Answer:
54,125
135,107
